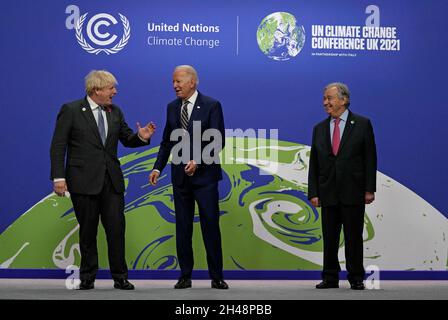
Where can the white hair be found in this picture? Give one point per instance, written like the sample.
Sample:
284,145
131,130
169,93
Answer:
189,70
343,91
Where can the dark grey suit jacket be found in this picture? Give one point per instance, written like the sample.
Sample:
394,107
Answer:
346,177
77,153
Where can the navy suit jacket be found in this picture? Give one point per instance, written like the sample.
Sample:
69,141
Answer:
209,112
346,177
77,153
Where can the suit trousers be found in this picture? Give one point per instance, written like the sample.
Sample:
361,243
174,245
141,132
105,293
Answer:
109,205
207,198
351,219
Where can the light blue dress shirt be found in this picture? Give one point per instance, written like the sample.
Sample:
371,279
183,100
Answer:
342,123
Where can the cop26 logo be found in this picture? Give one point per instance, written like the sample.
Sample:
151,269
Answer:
96,29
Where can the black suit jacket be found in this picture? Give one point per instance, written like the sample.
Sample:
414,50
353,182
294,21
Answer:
346,177
77,153
209,112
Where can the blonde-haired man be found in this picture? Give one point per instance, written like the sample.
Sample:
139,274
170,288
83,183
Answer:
84,162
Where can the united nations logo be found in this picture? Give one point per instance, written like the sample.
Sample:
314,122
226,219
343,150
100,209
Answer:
97,36
280,37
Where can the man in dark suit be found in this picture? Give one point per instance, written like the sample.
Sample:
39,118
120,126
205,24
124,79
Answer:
195,180
84,162
342,180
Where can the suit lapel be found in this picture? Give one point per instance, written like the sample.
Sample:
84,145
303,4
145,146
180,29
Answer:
347,130
86,111
195,112
178,114
109,115
327,135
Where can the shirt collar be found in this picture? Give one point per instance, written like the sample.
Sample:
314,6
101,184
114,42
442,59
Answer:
93,104
343,116
193,98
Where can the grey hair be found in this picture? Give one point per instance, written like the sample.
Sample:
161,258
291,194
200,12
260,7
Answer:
99,79
189,70
343,91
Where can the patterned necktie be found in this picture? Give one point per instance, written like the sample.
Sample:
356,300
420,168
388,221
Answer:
336,136
184,115
101,127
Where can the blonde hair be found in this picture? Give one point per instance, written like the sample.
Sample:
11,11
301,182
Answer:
99,79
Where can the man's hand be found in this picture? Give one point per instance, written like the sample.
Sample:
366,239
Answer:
60,187
147,131
315,202
191,167
369,197
154,175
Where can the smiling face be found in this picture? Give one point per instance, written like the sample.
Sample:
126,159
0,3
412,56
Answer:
101,86
103,96
333,104
184,84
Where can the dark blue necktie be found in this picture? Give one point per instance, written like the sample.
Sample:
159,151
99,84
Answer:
184,115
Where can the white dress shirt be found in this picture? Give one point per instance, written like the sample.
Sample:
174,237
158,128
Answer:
191,102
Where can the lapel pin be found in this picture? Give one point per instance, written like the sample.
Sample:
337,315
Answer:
83,109
198,107
352,122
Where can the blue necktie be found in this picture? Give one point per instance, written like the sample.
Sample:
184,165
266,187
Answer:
101,127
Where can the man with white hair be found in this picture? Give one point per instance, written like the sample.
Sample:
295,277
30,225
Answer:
342,180
84,162
194,181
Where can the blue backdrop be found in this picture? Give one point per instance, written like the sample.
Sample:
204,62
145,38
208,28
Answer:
43,66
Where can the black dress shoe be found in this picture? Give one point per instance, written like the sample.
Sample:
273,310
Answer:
183,283
86,285
123,284
219,284
357,285
327,285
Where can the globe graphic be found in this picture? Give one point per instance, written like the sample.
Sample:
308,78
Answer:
267,222
280,37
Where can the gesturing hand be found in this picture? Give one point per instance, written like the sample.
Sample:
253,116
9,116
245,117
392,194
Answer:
147,131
